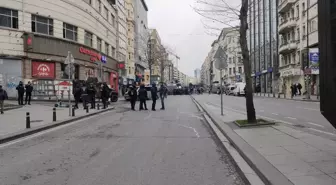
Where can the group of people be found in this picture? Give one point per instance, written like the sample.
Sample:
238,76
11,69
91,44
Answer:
89,95
296,89
142,95
22,89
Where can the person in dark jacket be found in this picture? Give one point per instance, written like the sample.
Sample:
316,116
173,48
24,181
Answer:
105,93
3,97
132,93
29,90
21,90
299,87
91,92
142,97
163,93
78,91
154,92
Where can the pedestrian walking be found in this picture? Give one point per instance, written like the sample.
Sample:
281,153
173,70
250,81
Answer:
91,92
299,86
154,94
163,93
142,97
105,93
3,97
292,90
29,90
21,90
78,91
132,93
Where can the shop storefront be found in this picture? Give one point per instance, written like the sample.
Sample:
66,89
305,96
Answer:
289,77
10,75
45,64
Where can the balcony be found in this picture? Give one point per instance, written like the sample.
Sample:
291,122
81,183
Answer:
288,47
285,5
287,25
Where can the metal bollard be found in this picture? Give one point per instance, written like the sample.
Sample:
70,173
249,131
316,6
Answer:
54,114
87,109
98,106
27,120
73,111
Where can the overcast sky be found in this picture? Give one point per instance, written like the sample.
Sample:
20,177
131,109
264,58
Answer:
181,29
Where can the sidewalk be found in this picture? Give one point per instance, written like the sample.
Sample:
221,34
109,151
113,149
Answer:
313,98
14,121
302,158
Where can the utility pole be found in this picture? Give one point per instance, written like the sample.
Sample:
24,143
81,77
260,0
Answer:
307,70
70,70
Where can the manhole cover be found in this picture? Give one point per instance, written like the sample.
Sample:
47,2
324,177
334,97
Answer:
299,126
36,121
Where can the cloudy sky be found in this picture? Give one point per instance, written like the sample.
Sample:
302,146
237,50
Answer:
181,29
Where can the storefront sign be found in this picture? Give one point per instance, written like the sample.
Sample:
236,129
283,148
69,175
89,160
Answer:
94,55
43,69
290,72
121,66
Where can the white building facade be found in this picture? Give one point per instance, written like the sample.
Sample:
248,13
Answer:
130,64
297,20
37,35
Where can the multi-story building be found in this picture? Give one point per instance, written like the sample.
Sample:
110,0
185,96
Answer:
229,41
141,36
156,55
263,44
293,30
37,36
197,76
168,71
122,35
130,60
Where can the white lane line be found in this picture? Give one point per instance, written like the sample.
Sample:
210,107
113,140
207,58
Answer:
329,133
50,130
147,117
197,134
308,108
275,114
315,124
291,118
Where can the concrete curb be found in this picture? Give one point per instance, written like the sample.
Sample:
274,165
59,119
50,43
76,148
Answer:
27,132
304,100
263,168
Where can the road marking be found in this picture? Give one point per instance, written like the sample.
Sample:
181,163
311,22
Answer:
147,117
192,128
291,118
275,114
329,133
315,124
308,108
50,130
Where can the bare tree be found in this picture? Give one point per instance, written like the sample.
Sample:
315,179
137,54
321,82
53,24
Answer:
228,13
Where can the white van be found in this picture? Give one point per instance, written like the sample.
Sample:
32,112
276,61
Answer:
239,89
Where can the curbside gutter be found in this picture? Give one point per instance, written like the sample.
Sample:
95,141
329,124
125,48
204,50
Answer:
302,100
31,131
263,168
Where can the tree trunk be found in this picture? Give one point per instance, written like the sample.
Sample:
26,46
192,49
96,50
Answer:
251,115
162,68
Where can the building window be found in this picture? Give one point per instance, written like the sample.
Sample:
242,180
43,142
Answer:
69,32
112,20
105,12
240,70
230,71
9,18
99,6
42,25
129,56
107,48
88,39
99,44
113,52
129,41
88,1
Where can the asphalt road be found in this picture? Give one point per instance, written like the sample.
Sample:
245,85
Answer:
298,114
168,147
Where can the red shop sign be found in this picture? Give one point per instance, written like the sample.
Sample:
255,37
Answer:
43,69
94,55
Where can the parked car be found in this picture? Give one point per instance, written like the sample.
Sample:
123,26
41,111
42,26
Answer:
239,89
229,90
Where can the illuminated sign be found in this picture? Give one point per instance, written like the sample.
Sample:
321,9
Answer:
94,56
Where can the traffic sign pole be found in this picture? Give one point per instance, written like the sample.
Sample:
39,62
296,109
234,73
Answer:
221,90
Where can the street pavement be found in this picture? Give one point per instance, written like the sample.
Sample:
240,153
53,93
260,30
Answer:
305,158
298,114
174,146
